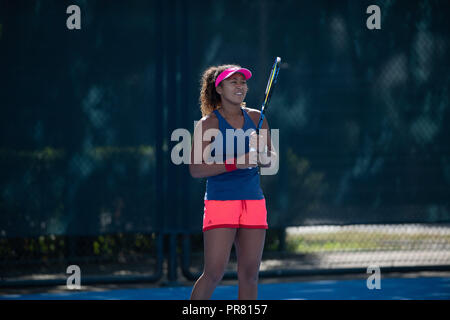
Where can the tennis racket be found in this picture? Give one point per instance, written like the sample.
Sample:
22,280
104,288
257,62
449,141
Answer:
269,91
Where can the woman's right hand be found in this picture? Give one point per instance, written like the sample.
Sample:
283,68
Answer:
247,160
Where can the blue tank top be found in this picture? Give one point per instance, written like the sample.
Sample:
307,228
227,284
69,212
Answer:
240,184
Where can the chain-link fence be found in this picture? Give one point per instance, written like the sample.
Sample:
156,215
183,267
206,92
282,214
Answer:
87,117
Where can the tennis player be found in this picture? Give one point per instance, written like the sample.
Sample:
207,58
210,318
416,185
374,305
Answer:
234,204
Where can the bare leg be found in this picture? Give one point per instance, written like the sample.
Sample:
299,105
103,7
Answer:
217,248
249,249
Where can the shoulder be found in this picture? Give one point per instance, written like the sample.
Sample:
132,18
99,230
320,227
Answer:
253,113
209,121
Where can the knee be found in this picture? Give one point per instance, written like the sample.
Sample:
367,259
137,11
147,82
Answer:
248,275
213,277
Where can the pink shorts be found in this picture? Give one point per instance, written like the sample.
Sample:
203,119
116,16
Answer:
235,214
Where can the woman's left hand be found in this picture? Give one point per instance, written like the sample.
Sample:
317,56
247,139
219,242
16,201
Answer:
258,142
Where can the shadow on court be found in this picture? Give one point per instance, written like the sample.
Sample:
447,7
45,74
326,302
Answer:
422,288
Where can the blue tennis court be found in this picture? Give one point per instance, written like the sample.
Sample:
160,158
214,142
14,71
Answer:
421,288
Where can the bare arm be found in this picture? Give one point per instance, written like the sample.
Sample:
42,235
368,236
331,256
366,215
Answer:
198,168
264,158
271,155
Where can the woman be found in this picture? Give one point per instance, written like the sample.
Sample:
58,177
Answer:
235,209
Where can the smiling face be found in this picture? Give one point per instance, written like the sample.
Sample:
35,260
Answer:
233,89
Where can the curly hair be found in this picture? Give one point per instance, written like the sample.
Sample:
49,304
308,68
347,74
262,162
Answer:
209,98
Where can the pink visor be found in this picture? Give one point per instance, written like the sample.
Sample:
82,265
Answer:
230,71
